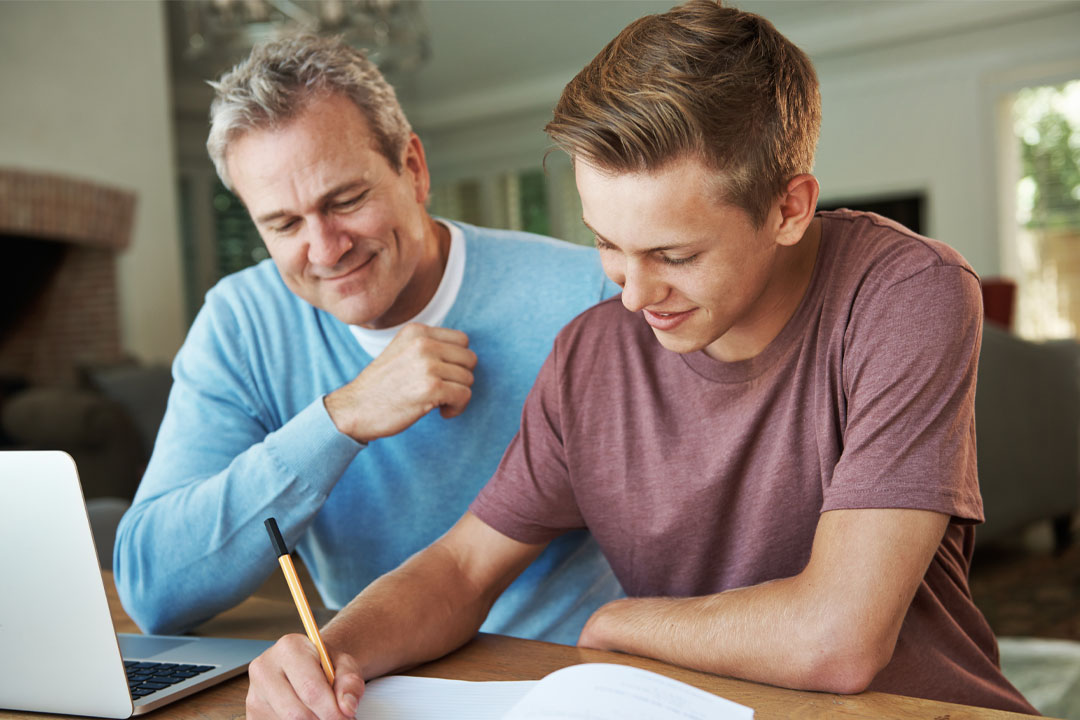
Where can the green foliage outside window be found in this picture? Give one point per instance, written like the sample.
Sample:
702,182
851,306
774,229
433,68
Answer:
534,203
1048,126
238,242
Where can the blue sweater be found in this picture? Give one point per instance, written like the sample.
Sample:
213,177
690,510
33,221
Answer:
246,436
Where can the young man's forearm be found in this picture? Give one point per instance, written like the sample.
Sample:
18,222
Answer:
434,603
832,627
762,633
420,611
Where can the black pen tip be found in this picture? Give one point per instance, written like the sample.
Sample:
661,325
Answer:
275,537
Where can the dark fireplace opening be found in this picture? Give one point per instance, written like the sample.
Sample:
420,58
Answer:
33,264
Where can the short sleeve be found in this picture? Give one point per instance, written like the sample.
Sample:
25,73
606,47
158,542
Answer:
530,497
909,369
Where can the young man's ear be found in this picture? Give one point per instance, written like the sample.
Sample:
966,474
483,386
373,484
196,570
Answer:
796,207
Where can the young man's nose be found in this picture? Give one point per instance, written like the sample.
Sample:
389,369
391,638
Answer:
640,288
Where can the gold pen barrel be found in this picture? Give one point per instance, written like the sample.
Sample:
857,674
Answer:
306,617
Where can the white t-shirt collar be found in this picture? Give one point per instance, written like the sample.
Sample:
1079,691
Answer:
434,313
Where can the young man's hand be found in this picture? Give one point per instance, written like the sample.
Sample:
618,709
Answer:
434,603
287,681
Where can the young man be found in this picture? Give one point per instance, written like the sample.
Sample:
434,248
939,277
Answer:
771,436
306,386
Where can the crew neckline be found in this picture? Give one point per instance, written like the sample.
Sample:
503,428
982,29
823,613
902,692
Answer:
374,341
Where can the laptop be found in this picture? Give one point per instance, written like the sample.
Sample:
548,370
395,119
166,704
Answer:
59,651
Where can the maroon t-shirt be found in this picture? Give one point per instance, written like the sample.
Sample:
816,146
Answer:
698,476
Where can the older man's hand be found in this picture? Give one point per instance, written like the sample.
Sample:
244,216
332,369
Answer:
287,681
423,368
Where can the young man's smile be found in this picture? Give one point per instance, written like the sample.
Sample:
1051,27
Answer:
666,321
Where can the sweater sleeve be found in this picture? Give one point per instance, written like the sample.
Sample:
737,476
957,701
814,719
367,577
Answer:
193,542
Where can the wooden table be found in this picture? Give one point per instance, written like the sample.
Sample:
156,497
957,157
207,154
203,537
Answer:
495,657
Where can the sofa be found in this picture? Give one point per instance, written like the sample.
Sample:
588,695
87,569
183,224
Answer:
107,421
95,430
1027,424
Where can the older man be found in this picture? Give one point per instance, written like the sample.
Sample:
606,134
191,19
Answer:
771,433
307,387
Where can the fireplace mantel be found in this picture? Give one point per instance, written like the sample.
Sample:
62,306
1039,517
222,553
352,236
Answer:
63,208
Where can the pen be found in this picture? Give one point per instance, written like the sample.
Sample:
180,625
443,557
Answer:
298,597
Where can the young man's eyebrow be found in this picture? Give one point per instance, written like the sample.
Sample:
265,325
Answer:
591,229
333,192
658,248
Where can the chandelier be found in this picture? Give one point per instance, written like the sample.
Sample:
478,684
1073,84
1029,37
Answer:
219,33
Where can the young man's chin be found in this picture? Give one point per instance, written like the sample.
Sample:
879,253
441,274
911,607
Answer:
681,345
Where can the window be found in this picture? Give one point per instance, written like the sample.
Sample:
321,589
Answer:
238,242
217,235
532,200
1046,133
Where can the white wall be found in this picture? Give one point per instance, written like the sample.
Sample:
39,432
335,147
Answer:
922,116
84,92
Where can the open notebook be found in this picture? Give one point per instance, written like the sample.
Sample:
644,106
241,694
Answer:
593,691
59,651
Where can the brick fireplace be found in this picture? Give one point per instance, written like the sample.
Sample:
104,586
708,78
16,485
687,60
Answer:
59,241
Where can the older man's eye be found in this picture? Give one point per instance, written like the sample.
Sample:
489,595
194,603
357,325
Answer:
283,228
350,203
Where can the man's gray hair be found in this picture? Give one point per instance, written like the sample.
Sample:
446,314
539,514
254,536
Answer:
277,80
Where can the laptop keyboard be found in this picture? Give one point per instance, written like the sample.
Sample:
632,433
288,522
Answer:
145,678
